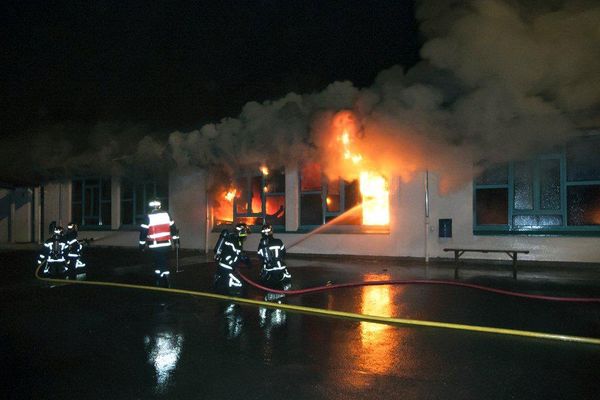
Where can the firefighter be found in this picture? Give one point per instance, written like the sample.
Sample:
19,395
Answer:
271,251
74,248
230,253
159,234
53,252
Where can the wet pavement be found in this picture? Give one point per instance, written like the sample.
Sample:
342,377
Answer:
89,342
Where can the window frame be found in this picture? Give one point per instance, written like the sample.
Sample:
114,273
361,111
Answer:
247,178
101,182
510,229
324,194
135,185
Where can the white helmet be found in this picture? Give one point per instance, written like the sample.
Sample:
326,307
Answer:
155,204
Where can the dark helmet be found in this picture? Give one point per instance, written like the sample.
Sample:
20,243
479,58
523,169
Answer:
267,230
58,231
242,229
51,227
71,226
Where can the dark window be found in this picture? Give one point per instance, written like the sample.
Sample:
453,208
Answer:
312,209
91,202
492,206
584,205
491,197
135,196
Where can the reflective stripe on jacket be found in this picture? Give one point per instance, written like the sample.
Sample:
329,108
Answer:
158,230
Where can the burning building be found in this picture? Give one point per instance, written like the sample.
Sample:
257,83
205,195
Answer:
549,205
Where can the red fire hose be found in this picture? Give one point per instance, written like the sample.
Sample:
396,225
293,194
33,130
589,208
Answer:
420,282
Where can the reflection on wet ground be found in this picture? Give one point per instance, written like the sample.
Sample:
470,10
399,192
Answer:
62,341
163,353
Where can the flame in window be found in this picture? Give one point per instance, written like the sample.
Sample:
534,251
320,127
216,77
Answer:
373,187
375,194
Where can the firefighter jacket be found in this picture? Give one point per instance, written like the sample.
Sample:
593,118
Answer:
158,230
231,252
53,251
73,245
272,252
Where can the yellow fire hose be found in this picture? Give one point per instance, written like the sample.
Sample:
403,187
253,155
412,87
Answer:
333,313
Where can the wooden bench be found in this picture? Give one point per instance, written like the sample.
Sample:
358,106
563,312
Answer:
511,253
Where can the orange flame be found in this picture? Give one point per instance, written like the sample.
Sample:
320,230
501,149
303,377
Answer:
373,187
223,209
348,155
229,196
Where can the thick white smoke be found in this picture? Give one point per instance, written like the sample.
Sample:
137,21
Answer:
498,81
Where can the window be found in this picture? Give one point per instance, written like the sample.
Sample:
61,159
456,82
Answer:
260,199
323,200
556,193
583,182
91,202
135,196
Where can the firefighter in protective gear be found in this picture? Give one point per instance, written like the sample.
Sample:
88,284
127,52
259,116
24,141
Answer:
53,252
230,254
74,248
271,251
159,234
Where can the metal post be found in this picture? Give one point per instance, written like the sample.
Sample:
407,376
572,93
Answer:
176,258
426,182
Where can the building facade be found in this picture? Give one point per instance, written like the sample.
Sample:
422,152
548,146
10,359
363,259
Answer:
549,205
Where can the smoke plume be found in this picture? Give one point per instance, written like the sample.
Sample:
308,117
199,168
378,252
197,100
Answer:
499,81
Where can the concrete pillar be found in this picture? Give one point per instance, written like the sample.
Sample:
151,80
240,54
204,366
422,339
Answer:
5,200
187,206
57,203
115,199
38,235
292,199
21,215
11,218
407,216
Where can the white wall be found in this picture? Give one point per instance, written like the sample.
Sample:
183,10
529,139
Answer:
21,228
57,204
16,219
187,206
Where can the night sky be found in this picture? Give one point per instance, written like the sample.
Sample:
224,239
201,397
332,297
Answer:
176,65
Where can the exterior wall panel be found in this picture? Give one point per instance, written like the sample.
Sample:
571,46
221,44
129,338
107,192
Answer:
406,236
